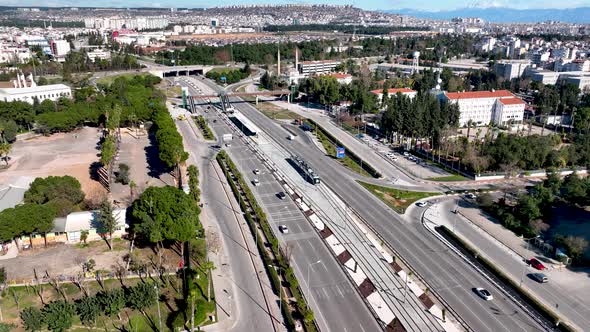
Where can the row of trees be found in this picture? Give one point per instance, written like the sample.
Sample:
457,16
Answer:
170,146
136,97
59,315
326,90
78,62
513,153
423,116
263,53
368,30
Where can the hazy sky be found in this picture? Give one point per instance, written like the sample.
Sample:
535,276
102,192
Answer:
366,4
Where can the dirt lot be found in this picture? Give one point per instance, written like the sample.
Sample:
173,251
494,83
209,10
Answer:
58,154
67,259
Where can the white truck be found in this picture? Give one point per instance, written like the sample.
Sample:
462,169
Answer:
227,138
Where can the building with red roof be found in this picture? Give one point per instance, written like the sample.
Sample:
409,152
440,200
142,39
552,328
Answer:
483,107
392,92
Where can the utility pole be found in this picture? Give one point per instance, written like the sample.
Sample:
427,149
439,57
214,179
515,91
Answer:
158,301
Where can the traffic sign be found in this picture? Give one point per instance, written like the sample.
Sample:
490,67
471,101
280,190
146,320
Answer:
340,153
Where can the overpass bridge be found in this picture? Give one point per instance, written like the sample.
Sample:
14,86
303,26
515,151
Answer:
173,71
224,98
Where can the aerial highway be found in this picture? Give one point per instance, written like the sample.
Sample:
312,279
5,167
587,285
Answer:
447,274
337,306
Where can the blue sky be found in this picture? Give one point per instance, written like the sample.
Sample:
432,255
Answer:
366,4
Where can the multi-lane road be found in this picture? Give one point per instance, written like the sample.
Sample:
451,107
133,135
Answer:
337,305
447,274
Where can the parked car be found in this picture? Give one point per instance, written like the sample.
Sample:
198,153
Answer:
284,229
256,171
536,264
256,182
421,204
484,294
281,195
539,277
471,196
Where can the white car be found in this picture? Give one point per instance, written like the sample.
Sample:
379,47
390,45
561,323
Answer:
256,171
284,229
471,196
256,182
484,294
421,204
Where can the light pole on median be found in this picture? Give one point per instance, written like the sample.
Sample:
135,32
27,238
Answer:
158,300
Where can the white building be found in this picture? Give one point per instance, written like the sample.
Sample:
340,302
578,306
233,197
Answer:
511,69
60,48
482,107
26,90
317,67
10,54
342,78
98,54
392,92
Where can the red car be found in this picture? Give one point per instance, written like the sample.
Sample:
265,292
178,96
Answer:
536,264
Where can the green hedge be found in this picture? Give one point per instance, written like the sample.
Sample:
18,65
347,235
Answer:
302,307
207,133
525,295
366,166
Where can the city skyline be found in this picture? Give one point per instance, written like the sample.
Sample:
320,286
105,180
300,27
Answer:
369,5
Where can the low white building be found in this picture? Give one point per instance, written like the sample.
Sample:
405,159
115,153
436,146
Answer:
392,92
13,54
98,54
483,107
60,48
28,93
342,78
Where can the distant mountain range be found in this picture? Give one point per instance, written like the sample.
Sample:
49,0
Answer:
504,15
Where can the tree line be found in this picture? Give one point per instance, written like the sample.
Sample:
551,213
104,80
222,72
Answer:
530,216
264,53
59,315
364,30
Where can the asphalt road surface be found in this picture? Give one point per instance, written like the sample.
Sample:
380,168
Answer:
337,306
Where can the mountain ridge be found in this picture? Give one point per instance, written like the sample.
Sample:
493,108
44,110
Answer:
504,14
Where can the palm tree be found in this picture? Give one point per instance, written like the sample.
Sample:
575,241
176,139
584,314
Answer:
192,296
469,125
208,266
5,150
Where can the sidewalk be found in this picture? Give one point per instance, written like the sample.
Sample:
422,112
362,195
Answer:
567,293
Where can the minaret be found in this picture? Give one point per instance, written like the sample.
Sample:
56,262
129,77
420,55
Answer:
296,59
278,62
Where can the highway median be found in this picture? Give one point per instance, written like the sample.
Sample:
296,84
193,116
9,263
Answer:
398,200
204,128
281,274
350,160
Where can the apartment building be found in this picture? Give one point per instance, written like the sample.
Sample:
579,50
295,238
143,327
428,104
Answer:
483,107
317,67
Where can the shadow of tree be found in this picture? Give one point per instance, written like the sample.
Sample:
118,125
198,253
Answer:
155,166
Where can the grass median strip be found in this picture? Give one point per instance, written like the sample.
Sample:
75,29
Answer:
397,199
275,112
346,161
272,254
205,130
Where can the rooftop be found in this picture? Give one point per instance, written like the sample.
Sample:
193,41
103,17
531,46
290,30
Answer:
393,91
36,89
511,101
479,94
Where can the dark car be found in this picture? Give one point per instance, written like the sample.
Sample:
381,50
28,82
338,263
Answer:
539,277
281,195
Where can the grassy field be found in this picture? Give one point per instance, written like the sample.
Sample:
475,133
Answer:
398,200
346,161
131,320
110,79
449,178
274,112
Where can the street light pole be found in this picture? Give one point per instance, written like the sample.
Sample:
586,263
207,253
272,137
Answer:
158,301
525,262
